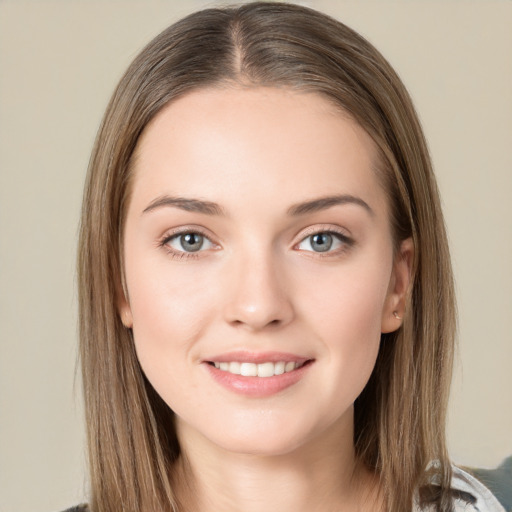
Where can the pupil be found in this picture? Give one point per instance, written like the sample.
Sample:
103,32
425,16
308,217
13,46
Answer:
321,242
191,242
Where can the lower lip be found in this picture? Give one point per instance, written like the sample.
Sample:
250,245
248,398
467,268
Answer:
258,387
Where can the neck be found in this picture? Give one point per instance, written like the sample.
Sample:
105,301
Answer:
321,476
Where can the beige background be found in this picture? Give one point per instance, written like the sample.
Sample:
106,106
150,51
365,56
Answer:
59,61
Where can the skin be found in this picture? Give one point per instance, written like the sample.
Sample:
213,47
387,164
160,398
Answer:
258,284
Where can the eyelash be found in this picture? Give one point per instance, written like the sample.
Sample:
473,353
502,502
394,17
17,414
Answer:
179,255
345,240
340,236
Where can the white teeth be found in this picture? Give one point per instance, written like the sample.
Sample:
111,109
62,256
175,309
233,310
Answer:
249,369
289,367
266,370
257,370
234,367
279,368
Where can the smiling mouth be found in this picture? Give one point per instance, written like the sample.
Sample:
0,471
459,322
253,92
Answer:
266,369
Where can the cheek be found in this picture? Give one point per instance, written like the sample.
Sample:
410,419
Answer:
170,310
350,299
345,310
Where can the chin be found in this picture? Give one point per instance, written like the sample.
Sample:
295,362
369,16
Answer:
271,436
262,445
264,431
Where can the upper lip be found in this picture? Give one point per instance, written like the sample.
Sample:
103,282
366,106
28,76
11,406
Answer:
243,356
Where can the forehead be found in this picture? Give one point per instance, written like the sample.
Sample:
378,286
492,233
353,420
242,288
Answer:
258,143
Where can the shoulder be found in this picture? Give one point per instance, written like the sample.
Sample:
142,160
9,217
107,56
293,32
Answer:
472,495
498,480
483,499
468,494
78,508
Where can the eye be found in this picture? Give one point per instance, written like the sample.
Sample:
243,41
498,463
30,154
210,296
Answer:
188,242
324,241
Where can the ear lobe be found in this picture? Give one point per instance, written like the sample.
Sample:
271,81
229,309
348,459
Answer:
398,291
125,313
124,309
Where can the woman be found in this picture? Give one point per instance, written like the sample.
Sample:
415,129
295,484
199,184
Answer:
266,298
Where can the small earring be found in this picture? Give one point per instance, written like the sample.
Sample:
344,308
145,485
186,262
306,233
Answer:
395,314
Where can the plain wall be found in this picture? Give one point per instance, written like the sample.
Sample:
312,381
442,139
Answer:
59,62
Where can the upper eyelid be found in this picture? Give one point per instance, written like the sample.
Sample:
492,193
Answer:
313,230
183,230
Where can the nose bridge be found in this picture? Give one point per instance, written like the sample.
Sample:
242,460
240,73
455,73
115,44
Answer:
257,295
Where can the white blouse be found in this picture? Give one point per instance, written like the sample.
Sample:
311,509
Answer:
462,481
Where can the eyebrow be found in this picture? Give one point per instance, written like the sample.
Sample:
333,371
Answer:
323,203
210,208
189,205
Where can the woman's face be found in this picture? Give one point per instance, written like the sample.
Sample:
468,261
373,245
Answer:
259,266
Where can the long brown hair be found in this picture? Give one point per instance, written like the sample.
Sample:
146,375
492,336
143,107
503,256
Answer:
400,415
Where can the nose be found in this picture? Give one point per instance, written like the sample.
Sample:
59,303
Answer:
258,297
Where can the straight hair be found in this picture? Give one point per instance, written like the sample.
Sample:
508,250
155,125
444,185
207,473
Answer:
399,429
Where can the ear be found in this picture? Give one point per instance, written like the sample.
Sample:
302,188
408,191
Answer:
123,307
401,279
